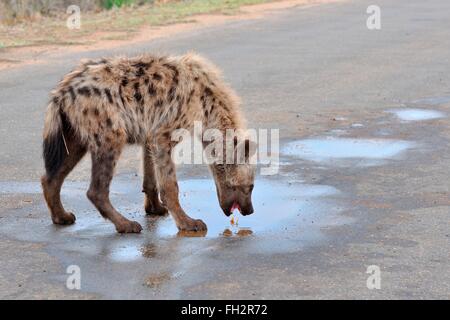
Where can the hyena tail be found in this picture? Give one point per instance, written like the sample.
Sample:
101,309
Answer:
54,146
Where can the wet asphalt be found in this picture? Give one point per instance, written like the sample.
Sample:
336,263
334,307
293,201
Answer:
363,177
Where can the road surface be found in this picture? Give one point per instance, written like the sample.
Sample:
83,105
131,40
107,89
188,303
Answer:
364,170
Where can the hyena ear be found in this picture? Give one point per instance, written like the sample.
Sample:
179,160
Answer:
244,150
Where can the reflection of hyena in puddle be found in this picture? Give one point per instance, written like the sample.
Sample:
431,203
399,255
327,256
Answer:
103,105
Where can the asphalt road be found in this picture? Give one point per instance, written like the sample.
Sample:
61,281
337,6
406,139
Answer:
361,187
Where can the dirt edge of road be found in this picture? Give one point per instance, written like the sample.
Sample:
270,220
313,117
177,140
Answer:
41,54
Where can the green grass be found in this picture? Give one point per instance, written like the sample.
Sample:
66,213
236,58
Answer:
126,20
178,10
109,4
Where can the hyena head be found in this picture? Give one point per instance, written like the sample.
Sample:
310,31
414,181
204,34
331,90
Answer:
235,180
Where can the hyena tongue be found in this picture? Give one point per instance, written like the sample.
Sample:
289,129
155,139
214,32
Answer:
235,206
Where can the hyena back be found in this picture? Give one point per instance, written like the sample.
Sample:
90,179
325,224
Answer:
103,105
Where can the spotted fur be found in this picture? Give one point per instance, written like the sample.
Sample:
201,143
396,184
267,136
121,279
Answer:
102,105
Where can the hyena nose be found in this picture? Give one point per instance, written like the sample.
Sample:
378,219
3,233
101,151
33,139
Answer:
247,211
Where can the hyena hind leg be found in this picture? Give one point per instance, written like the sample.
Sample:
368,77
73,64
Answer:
152,204
103,163
51,184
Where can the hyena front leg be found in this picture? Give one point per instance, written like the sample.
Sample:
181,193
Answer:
104,160
168,186
152,204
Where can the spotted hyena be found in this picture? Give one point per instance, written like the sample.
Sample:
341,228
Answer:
103,105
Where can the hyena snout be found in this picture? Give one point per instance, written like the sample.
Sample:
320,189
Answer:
247,208
237,200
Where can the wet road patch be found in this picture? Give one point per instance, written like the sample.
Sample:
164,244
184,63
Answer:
277,206
346,151
291,211
433,101
417,114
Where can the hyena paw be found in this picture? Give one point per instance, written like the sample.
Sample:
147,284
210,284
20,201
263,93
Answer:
67,218
128,227
192,225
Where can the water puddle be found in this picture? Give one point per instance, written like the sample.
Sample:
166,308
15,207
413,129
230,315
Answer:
346,151
288,216
433,101
417,114
126,252
278,206
70,188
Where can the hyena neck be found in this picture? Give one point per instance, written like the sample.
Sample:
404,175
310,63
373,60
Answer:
231,125
224,114
225,123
